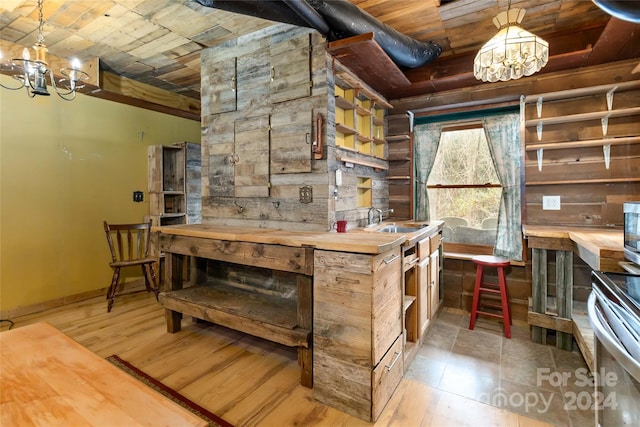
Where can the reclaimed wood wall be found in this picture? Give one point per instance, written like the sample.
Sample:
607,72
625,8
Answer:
261,96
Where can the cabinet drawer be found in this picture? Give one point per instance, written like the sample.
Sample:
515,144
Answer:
435,241
386,377
424,248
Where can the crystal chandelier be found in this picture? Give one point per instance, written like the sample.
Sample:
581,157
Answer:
512,52
31,74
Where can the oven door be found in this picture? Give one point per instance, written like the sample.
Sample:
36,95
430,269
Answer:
617,394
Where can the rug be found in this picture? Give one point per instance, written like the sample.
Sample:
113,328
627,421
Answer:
212,419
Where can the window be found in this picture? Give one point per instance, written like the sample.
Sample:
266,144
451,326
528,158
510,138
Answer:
463,187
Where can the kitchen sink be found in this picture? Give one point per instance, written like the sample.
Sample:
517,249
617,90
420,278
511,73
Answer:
396,229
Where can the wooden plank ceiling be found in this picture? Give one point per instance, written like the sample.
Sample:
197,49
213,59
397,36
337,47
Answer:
158,42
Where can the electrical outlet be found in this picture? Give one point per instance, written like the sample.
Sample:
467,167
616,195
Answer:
551,203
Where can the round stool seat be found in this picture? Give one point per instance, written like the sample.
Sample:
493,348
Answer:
491,261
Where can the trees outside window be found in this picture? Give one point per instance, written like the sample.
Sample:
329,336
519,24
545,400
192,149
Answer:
463,184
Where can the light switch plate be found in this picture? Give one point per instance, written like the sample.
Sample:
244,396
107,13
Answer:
551,203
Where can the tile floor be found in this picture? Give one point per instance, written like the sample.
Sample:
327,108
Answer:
535,380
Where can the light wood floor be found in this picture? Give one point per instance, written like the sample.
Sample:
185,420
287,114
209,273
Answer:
247,381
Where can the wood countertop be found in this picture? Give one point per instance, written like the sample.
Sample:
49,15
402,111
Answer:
370,243
601,248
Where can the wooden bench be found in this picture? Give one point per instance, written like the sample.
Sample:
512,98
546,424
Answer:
260,289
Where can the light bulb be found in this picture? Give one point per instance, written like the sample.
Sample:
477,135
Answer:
25,54
76,64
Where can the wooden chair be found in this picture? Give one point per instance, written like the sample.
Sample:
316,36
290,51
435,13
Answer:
129,246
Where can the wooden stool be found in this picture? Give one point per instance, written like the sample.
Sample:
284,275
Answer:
500,288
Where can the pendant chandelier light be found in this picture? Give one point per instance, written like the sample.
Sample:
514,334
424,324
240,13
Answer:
512,53
33,74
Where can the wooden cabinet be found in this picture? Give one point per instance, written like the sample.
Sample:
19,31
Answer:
357,358
421,291
174,183
582,145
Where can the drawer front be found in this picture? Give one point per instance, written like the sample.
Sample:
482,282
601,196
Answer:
386,377
435,242
387,304
424,249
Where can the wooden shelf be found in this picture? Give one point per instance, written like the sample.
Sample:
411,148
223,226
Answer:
408,302
363,138
402,177
362,111
378,121
345,129
584,144
583,117
585,91
378,141
343,103
585,181
398,138
361,162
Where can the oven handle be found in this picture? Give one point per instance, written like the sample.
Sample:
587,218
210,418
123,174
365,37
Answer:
610,343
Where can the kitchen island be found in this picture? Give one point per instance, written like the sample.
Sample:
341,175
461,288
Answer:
337,297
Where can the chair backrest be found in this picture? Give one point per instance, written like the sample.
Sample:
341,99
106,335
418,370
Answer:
128,242
454,221
490,223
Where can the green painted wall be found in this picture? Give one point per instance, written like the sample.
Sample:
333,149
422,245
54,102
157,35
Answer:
64,168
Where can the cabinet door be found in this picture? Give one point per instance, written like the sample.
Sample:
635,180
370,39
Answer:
253,81
290,69
434,292
220,156
424,282
252,157
291,137
219,85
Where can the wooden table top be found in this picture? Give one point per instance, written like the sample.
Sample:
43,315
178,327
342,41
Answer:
47,378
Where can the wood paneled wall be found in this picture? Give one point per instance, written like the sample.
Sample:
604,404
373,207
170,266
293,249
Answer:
597,202
261,95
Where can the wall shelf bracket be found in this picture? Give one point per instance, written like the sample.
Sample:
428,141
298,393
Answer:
607,155
539,130
605,125
539,155
610,98
539,107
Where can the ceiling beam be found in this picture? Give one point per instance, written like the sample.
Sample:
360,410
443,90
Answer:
127,91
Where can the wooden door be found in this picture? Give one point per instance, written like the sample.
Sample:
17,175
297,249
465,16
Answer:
253,82
251,158
434,291
291,137
291,69
218,88
424,308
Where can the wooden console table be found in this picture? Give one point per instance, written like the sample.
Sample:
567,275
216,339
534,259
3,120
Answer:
48,378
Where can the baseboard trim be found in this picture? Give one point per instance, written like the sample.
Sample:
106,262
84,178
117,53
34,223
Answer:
12,313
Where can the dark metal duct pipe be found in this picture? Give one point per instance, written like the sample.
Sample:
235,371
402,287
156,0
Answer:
273,10
346,20
310,16
336,19
625,10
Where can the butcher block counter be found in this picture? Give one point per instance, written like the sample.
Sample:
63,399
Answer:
367,243
601,249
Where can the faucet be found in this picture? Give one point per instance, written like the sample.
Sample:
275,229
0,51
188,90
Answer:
370,219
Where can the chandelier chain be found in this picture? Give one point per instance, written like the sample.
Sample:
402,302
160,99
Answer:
40,38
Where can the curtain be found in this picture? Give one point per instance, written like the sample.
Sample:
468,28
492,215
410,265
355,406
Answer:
427,138
503,135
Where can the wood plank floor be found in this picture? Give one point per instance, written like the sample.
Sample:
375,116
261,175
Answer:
245,380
